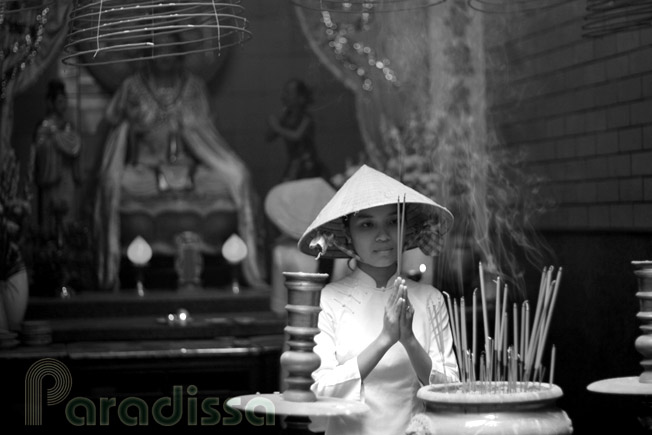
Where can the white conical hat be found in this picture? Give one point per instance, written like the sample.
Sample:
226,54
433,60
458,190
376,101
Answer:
292,205
425,220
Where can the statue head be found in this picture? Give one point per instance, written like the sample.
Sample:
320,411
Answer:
296,93
55,97
167,53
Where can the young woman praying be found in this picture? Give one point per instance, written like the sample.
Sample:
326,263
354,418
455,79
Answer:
382,337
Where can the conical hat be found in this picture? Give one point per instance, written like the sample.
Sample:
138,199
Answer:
425,221
292,205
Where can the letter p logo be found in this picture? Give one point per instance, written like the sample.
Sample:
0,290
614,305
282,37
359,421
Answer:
34,386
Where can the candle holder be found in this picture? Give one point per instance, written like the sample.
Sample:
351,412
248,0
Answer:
638,387
139,253
643,343
297,403
304,292
234,250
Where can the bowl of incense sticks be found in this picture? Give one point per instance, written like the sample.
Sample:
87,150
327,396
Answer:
502,389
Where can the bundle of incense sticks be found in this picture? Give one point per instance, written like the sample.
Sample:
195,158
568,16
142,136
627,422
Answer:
503,366
400,230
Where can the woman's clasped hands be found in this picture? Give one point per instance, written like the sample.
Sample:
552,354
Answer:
397,322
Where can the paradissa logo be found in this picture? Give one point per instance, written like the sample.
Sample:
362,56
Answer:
132,411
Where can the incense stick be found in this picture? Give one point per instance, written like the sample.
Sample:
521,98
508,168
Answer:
552,366
497,314
503,366
439,335
484,306
474,349
399,233
400,216
464,344
551,307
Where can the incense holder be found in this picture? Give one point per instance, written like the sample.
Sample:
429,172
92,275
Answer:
299,361
527,408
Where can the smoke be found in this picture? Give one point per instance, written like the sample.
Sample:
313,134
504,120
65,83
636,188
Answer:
428,127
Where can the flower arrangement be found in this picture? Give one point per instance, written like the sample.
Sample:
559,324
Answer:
15,207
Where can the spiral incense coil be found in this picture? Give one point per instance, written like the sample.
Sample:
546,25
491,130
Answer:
606,17
111,31
8,7
358,6
513,6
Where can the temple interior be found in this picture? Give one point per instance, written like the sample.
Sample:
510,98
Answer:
142,216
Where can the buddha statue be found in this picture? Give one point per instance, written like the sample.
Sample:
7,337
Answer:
163,154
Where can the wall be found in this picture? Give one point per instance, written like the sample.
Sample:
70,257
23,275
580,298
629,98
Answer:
580,108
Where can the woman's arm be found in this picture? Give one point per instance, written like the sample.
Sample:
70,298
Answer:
390,334
344,379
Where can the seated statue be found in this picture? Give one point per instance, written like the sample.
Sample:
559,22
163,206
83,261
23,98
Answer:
164,154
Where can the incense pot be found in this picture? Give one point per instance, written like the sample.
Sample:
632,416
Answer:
299,361
526,409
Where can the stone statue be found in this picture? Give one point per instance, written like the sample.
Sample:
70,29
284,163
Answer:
163,140
57,163
296,126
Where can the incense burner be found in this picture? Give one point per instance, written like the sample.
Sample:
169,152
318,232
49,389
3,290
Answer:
496,408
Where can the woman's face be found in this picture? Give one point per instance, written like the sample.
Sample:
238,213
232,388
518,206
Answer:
374,234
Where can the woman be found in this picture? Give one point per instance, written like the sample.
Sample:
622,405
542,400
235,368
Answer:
381,337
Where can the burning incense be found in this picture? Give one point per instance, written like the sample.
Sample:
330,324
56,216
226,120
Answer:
497,315
439,335
463,332
505,367
483,298
474,349
400,216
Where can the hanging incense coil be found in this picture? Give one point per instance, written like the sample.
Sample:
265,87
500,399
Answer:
604,17
9,7
361,6
513,6
111,31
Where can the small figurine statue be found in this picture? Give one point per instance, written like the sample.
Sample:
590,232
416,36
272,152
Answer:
57,164
296,126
